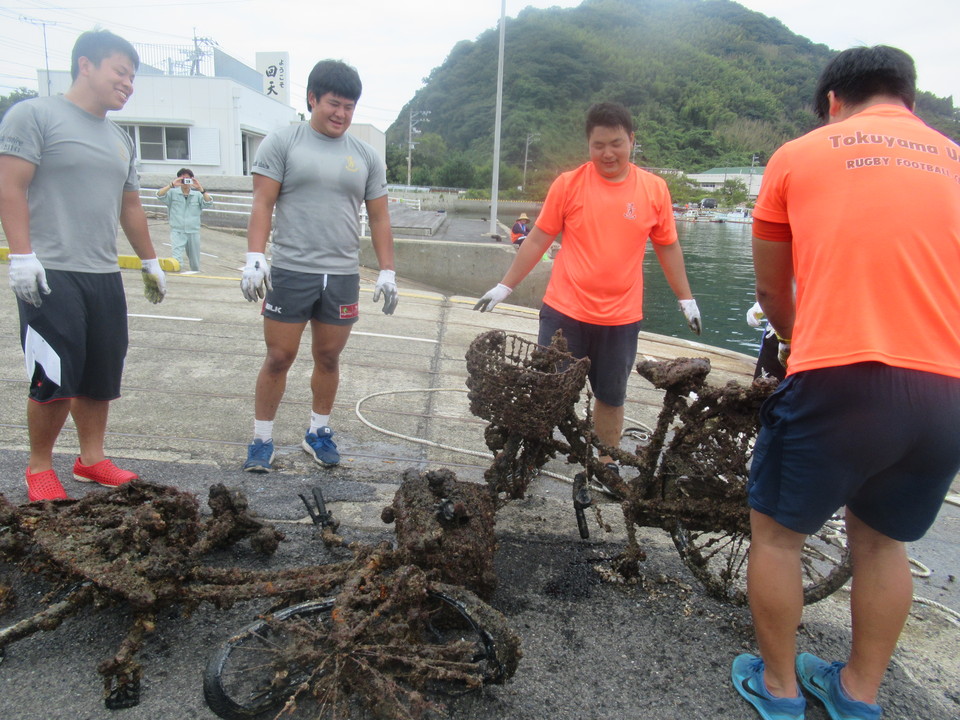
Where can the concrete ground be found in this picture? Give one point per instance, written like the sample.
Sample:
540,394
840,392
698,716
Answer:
659,649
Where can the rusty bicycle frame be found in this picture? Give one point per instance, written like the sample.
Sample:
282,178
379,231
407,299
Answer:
690,476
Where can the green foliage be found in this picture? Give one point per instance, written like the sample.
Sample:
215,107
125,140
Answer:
682,191
477,194
457,172
708,83
733,192
8,101
430,151
396,164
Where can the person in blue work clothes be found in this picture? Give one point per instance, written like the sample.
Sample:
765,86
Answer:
183,209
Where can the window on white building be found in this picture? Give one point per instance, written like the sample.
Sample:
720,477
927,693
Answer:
160,142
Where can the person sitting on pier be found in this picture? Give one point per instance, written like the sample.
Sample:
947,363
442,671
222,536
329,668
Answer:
520,229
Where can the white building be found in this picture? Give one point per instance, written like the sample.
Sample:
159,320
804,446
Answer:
713,179
211,123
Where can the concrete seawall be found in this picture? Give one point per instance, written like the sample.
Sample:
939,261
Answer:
461,268
468,263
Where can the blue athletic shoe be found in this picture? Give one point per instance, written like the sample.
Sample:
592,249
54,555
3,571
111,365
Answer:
321,448
823,680
259,456
747,677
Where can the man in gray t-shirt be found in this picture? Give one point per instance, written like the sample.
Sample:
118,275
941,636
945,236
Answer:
67,177
316,177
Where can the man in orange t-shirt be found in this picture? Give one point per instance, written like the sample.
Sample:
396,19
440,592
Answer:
864,215
606,210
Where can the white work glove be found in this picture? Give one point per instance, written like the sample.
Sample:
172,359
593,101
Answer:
154,281
256,277
755,316
493,296
692,313
28,278
386,285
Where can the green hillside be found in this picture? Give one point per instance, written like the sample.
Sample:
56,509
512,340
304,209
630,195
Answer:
709,82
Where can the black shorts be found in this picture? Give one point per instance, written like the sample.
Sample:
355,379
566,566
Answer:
75,343
297,297
879,439
612,350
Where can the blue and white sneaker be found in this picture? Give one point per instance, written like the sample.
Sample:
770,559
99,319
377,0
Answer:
747,677
823,680
259,456
321,448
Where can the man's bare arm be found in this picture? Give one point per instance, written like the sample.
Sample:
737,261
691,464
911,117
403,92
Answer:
16,174
133,220
265,193
773,266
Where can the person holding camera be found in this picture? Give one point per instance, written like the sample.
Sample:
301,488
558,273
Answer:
183,210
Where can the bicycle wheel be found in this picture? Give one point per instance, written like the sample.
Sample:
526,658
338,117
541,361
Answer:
242,679
255,672
719,561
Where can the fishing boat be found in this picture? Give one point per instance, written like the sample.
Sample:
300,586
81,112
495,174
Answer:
737,215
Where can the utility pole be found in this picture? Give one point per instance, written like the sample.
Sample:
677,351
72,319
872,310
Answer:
634,151
199,52
531,137
415,117
46,56
753,161
495,190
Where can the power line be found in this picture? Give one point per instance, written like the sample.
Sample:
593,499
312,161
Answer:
46,52
80,15
130,6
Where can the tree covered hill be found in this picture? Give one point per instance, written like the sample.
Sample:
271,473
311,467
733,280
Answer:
709,83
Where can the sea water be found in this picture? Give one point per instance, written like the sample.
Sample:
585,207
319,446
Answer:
720,269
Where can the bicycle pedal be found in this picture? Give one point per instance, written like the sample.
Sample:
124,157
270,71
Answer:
581,493
581,501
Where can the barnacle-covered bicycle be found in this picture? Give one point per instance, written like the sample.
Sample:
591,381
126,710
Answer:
373,634
689,477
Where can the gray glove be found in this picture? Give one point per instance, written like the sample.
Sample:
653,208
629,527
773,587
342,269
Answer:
493,296
256,277
28,278
154,281
387,286
692,313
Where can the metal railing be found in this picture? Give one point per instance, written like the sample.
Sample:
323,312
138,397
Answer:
222,202
413,203
237,206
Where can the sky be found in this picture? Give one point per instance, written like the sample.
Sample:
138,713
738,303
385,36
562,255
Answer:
396,43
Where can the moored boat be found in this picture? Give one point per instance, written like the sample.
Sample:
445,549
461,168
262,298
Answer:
737,215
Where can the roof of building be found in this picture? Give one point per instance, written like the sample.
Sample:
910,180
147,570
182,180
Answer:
732,170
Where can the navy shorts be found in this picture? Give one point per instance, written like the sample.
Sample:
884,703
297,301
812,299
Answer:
879,439
297,297
612,350
75,343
